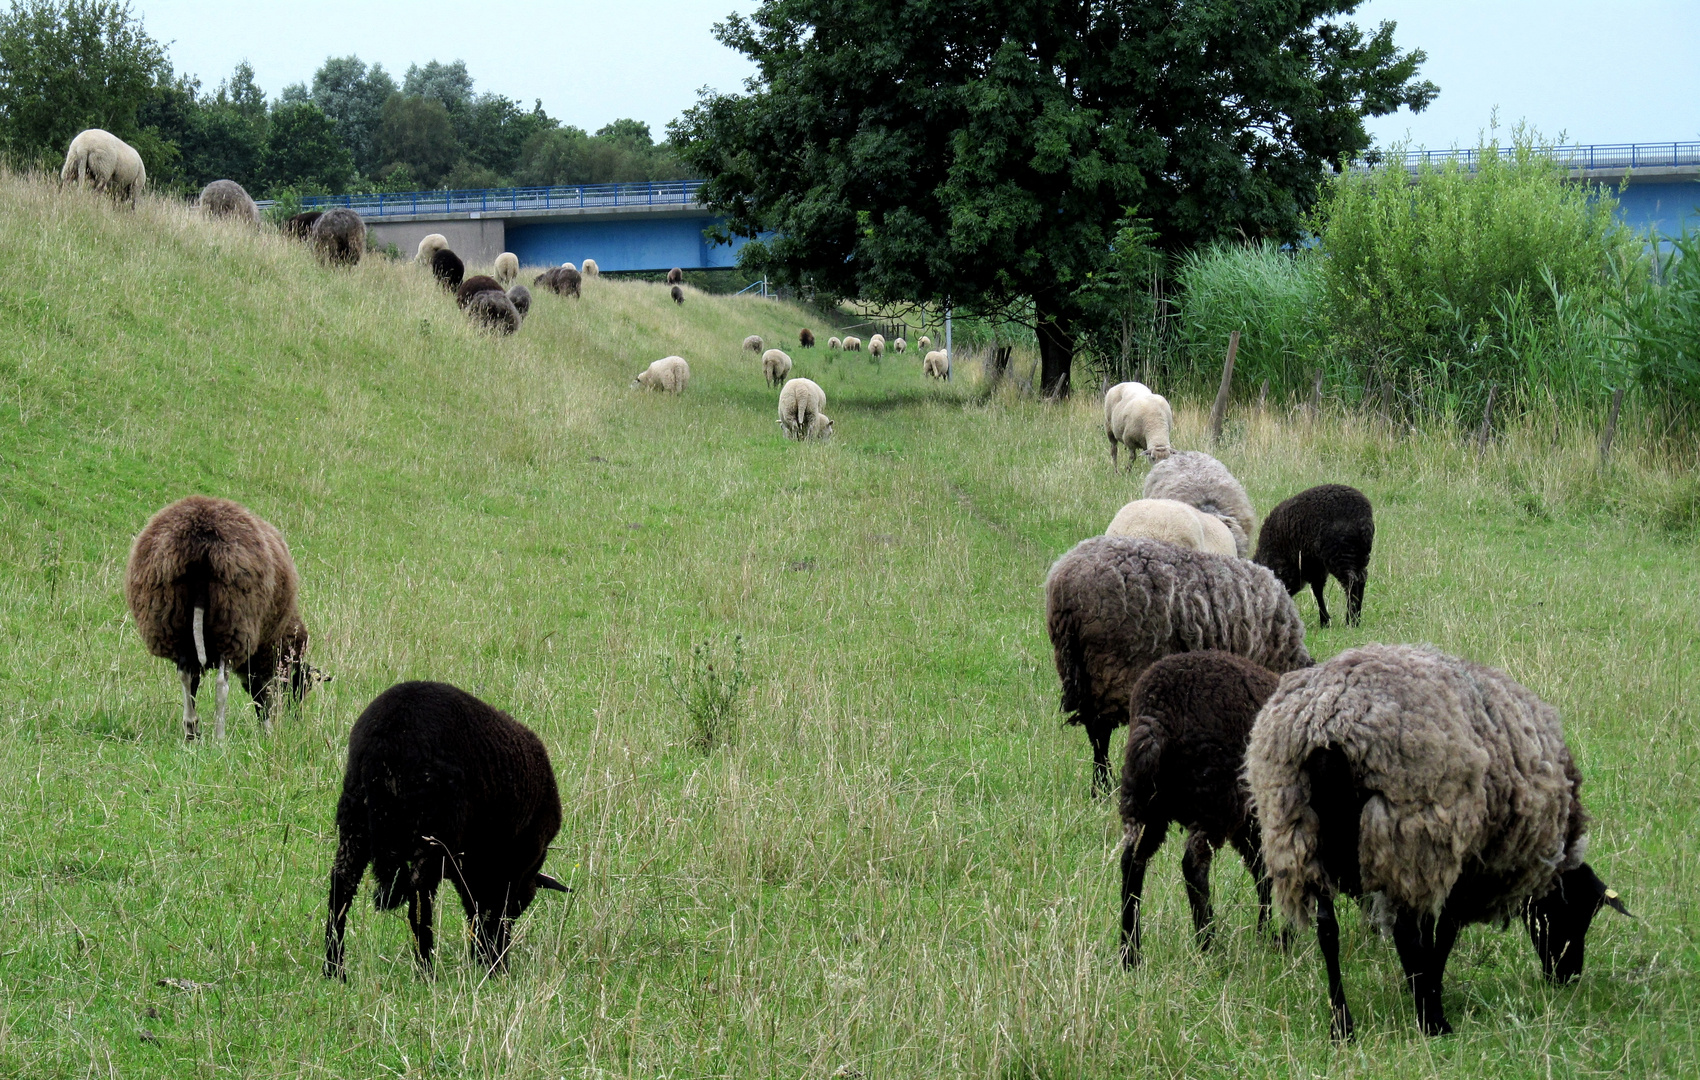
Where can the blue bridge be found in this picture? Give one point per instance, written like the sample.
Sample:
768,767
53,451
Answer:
660,225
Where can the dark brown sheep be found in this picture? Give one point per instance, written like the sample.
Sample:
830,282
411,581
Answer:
1327,529
561,280
439,784
447,268
210,583
338,237
806,338
1190,718
675,276
474,285
492,310
300,226
520,297
678,295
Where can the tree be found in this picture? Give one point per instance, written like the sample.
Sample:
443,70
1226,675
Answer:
418,133
447,83
303,151
353,96
983,153
69,66
493,131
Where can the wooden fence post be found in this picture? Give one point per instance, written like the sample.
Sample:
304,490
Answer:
1611,427
1316,396
1487,422
1219,410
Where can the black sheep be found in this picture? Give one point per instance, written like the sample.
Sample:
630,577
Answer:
678,295
1190,717
447,268
299,226
562,280
474,285
441,784
805,338
1327,529
520,297
492,310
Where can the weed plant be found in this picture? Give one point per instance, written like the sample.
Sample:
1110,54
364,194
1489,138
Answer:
710,690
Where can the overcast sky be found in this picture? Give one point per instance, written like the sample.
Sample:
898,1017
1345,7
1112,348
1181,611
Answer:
1624,71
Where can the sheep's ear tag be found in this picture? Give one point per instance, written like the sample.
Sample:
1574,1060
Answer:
1609,898
544,881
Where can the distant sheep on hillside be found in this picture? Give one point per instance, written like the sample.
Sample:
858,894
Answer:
474,285
753,344
678,294
590,268
492,310
805,338
561,280
429,246
507,268
852,344
775,366
106,163
833,344
300,226
339,237
800,405
227,199
447,268
520,297
669,374
675,276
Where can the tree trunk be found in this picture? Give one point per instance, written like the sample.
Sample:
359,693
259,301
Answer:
1056,350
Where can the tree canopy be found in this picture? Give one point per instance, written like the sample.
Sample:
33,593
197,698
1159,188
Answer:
985,153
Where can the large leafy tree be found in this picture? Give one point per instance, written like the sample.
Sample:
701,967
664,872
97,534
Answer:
984,153
353,96
304,152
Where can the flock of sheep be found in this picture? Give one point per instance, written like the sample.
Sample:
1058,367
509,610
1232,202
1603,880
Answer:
1438,792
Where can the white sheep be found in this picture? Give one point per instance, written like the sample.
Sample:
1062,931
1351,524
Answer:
800,405
936,364
507,268
1175,522
852,344
1138,419
590,269
876,347
107,163
833,344
569,266
776,366
753,344
925,343
429,246
669,374
899,345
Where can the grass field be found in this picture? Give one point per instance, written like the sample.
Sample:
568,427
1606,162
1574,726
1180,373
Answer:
895,869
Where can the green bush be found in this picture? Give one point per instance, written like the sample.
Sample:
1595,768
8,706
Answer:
1660,319
1272,297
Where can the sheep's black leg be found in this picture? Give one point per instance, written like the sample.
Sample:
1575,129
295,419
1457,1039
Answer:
346,870
191,684
1100,736
1195,870
420,920
1424,945
1136,853
490,938
1355,596
1328,940
1319,581
1245,842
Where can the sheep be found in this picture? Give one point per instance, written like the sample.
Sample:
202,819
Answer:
107,163
833,344
520,297
925,343
492,310
300,226
507,268
1439,784
675,276
936,364
852,344
899,345
440,784
800,405
447,268
208,581
226,198
1196,478
776,366
339,237
669,374
1190,717
753,344
474,285
1174,522
678,294
805,338
569,266
561,280
876,347
1138,419
590,269
1114,605
1327,529
429,246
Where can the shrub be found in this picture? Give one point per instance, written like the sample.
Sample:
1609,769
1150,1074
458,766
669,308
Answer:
1273,297
711,691
1660,320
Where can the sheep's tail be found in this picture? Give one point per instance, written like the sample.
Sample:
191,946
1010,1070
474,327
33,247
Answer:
200,635
1070,658
1139,777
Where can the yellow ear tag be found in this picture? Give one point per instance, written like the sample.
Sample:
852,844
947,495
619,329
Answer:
1611,894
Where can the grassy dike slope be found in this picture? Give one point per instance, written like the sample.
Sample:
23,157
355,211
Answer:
896,868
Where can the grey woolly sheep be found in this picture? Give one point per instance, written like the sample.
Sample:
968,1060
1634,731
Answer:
669,374
833,344
492,310
440,784
474,285
226,198
678,294
675,276
852,344
208,582
1197,479
1115,605
805,338
338,237
1190,717
899,345
1441,785
507,268
299,226
925,343
561,280
447,268
1174,522
1138,419
753,344
520,297
1327,529
775,366
800,405
429,246
590,269
107,163
936,364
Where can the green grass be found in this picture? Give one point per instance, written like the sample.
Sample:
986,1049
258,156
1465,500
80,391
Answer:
896,867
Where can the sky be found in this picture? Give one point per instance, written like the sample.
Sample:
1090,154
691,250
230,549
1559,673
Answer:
1624,71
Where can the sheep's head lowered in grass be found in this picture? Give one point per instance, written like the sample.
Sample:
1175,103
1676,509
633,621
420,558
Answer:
1558,922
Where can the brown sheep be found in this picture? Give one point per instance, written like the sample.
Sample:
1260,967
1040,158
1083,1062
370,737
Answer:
226,198
474,285
339,237
300,225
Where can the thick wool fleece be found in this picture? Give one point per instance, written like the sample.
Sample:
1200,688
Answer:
1197,479
775,366
429,245
1470,794
227,198
448,269
801,402
107,163
474,285
1175,523
669,374
1138,419
507,267
492,310
1327,529
339,237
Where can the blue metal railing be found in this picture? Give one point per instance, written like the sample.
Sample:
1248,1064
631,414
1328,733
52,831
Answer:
1597,156
484,200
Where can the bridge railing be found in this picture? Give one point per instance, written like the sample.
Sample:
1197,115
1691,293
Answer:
483,200
1592,157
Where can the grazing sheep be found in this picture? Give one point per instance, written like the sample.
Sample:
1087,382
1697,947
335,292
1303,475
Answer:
852,344
1173,522
1197,479
507,268
474,285
833,344
899,345
492,310
590,268
1190,717
925,343
447,268
520,297
107,163
776,366
678,294
561,280
1138,419
1441,785
569,266
300,226
753,344
876,347
226,198
440,784
429,246
800,405
669,374
675,276
1327,529
208,582
805,338
338,237
1115,605
936,364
